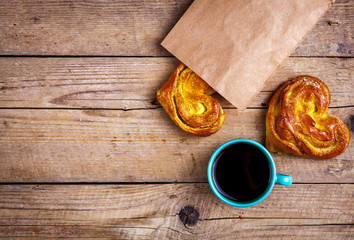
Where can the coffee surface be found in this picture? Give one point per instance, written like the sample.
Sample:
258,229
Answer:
241,172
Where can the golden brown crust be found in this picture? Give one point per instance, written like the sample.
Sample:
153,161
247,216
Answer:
186,98
297,122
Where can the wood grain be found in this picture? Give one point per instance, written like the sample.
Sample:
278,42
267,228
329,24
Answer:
318,211
137,146
81,114
131,83
132,28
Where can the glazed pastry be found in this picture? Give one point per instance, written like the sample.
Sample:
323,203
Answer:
297,122
186,98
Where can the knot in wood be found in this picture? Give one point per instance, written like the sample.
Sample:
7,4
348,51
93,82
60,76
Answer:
350,123
154,102
188,215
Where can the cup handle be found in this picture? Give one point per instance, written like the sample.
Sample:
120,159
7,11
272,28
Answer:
283,179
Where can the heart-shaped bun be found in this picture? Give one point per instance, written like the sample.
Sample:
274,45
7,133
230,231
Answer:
297,121
186,98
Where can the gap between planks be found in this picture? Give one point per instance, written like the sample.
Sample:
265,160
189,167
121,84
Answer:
126,109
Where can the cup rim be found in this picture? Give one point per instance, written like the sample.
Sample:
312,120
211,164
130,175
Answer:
272,173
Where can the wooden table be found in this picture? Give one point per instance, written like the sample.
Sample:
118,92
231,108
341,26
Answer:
86,151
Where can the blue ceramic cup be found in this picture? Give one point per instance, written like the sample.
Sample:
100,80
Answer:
275,178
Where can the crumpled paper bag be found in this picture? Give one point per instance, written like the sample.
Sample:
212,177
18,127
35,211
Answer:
236,45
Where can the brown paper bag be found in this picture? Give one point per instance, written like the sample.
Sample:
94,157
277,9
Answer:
236,45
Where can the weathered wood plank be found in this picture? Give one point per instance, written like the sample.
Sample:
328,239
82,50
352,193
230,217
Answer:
260,231
146,211
133,28
137,146
130,83
339,42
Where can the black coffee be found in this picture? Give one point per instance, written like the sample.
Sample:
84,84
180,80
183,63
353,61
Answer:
241,172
